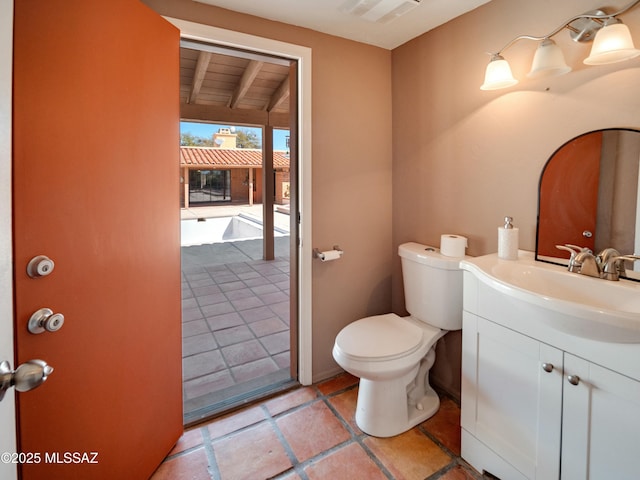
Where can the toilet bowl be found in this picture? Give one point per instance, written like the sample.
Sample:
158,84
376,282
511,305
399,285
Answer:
386,352
392,355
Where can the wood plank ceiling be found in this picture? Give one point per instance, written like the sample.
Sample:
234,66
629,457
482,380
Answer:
236,87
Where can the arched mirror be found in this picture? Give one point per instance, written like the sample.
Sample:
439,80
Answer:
588,196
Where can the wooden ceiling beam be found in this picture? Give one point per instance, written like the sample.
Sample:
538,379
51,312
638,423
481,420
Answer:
198,77
237,116
249,75
279,96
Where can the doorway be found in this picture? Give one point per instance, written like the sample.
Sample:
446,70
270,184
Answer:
237,250
303,209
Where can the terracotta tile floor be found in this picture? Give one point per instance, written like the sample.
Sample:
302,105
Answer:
310,433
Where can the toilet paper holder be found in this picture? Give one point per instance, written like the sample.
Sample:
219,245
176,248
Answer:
317,253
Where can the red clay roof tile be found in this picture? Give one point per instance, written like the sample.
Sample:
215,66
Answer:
228,157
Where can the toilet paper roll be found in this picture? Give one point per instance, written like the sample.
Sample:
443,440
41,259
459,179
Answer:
329,255
453,245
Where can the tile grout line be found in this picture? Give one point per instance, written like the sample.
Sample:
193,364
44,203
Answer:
207,446
295,463
232,270
299,467
455,460
213,469
435,440
244,323
273,417
359,439
325,453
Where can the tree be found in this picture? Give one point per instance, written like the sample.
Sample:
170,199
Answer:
188,139
247,139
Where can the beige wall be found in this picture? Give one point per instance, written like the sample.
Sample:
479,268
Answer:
351,152
464,158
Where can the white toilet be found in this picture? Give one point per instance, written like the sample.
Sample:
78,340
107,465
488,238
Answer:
392,355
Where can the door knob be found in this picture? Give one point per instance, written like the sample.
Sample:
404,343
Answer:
547,367
26,377
573,379
45,319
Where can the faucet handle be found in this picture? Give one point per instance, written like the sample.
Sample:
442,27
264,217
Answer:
569,248
573,250
579,249
631,258
607,253
614,266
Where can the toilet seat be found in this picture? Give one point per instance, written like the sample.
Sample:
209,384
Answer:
383,338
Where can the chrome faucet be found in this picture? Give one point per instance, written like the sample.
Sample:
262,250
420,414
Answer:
608,264
587,264
582,260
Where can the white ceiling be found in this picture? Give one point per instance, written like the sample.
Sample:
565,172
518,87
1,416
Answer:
326,16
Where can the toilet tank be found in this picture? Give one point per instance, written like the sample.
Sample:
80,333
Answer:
432,285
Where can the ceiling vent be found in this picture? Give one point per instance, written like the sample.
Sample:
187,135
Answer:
380,11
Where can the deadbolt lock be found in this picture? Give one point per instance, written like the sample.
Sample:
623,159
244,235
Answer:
40,266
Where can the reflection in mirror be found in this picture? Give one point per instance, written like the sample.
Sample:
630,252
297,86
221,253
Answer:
589,197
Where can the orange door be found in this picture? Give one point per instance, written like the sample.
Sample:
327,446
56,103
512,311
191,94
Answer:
569,196
95,189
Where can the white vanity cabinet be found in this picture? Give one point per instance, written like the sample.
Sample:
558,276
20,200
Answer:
600,423
511,407
533,407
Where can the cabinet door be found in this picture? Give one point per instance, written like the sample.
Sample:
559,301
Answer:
600,423
510,403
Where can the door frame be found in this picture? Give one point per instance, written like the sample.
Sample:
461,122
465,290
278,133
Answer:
210,34
7,407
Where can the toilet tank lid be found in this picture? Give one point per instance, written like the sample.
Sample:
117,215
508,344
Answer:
427,255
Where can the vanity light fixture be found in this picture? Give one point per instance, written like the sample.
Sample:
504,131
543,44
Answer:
612,43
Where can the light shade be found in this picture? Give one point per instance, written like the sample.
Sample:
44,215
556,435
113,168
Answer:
612,44
548,61
498,74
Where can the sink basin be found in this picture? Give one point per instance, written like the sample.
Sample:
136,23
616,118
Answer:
591,308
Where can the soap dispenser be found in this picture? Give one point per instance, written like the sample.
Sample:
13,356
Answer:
508,240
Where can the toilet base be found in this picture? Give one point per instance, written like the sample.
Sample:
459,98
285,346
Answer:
383,408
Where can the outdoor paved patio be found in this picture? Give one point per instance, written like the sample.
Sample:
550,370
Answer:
235,323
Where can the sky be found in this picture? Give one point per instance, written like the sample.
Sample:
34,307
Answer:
206,130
